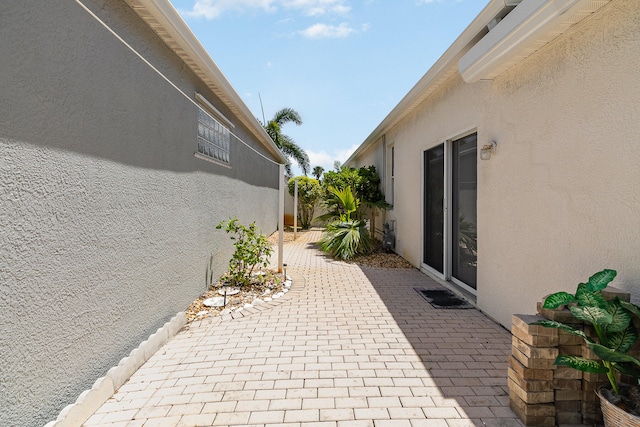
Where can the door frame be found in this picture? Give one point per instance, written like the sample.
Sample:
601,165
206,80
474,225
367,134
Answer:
447,215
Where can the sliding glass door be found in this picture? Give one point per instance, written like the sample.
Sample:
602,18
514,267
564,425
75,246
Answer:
433,252
450,210
464,186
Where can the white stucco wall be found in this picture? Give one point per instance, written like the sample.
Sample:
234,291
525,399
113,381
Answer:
560,199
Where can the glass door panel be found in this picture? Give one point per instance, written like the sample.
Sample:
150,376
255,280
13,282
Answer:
433,251
464,209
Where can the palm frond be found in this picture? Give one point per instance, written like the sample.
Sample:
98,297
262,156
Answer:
287,115
290,149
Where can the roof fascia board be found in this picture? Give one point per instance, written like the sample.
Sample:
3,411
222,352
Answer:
178,32
432,79
517,29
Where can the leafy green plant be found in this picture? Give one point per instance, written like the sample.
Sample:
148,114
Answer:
612,323
346,237
364,183
251,250
309,194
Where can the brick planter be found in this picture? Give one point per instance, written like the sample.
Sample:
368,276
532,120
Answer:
542,394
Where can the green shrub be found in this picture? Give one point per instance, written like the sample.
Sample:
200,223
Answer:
346,237
615,334
309,193
251,250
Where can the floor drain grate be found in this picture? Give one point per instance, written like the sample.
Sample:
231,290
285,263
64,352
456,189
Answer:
442,298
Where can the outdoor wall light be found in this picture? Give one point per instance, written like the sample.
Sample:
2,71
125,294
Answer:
486,150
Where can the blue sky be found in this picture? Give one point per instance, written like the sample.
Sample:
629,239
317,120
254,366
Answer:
342,64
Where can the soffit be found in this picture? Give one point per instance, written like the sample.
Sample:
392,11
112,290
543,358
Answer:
581,10
164,20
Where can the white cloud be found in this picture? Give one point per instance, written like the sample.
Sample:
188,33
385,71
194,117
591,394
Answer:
318,7
211,9
324,31
324,159
343,155
321,158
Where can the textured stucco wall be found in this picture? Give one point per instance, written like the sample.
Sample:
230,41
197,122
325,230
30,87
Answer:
560,199
108,220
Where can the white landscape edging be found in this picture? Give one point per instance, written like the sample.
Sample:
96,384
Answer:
91,400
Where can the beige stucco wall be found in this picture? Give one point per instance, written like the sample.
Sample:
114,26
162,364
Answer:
560,199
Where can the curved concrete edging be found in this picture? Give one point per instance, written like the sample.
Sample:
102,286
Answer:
297,286
89,401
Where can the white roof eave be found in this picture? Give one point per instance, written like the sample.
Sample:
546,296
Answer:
165,21
447,65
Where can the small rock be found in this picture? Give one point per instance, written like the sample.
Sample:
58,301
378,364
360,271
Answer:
248,306
267,292
268,299
229,291
214,302
257,301
288,277
202,313
288,283
278,295
285,290
225,312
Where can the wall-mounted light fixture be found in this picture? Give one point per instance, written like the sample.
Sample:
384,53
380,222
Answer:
486,150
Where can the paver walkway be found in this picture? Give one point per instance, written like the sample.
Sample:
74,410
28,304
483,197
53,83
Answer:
350,347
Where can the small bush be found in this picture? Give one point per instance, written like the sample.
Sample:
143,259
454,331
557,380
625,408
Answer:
346,239
252,250
309,193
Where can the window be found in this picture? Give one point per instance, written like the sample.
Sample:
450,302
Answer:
213,137
214,133
392,172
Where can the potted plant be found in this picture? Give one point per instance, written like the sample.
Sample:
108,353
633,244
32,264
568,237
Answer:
611,339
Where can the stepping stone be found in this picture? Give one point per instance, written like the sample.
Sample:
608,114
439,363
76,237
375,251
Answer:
214,302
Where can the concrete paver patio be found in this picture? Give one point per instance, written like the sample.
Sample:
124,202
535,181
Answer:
351,346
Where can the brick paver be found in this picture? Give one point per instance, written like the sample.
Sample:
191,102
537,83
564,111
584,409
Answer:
348,347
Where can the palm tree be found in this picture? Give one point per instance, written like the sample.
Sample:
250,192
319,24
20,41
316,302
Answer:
289,148
317,172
